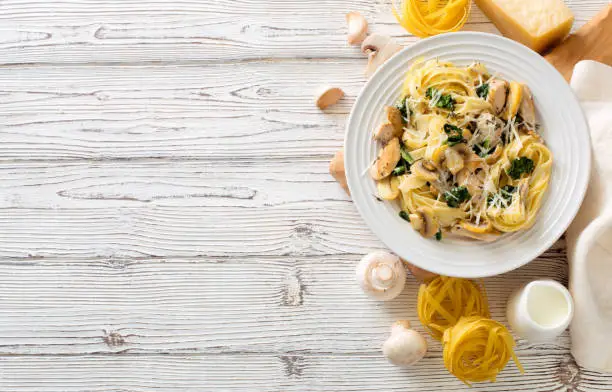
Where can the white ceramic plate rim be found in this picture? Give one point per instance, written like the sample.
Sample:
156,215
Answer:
407,243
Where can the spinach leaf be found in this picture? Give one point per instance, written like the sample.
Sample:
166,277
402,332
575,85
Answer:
505,192
445,101
439,235
520,166
455,135
404,216
483,90
402,105
456,196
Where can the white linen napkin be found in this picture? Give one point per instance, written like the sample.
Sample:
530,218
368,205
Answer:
589,238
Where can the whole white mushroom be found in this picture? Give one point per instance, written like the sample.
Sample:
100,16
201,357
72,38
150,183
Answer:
381,275
405,346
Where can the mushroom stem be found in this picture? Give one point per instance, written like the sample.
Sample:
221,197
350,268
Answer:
405,346
381,275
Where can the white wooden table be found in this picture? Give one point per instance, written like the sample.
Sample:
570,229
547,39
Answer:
167,220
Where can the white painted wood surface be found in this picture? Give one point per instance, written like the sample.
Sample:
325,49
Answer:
167,221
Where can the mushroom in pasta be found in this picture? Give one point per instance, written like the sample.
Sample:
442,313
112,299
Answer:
423,221
425,169
492,158
388,157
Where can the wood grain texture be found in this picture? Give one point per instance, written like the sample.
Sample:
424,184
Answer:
167,220
127,31
216,305
237,111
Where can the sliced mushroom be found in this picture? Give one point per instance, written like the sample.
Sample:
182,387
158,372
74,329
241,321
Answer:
438,156
385,132
492,158
357,28
423,221
527,108
388,157
453,160
425,169
515,93
379,49
328,96
394,116
498,90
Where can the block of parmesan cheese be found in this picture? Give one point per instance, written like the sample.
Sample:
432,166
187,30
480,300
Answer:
538,24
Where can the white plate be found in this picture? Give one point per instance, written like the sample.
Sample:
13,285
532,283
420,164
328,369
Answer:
563,127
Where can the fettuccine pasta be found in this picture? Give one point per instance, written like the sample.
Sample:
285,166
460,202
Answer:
469,161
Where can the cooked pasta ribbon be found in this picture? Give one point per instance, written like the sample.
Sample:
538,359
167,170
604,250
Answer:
477,349
475,163
431,17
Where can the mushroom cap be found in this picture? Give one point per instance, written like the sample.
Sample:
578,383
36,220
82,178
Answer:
374,43
425,169
423,221
357,28
381,275
405,346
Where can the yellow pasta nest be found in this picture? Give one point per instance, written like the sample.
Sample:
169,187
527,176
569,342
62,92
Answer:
431,17
477,349
443,301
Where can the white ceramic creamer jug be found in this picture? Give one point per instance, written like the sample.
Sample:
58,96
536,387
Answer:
540,310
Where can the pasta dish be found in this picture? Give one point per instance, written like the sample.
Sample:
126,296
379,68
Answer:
461,153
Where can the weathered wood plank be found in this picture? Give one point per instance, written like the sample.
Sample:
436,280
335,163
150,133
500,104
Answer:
114,184
240,111
119,31
216,305
277,373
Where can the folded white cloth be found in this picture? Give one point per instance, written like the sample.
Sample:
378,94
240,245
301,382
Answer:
589,238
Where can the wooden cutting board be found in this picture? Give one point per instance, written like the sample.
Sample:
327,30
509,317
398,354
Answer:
593,41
